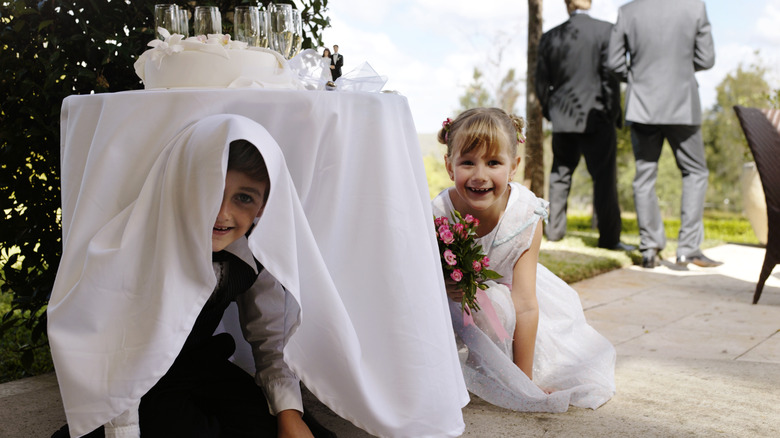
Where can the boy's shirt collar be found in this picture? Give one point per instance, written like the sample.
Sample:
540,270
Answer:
240,249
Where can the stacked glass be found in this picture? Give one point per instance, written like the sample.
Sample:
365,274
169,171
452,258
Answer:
279,28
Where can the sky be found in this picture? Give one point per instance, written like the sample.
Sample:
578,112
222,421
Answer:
428,49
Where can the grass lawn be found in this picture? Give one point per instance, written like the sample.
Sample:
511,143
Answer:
576,256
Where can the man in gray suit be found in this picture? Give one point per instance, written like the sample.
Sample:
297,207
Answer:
657,46
582,100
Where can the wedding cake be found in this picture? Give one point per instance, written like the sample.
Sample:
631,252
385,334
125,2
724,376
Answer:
215,61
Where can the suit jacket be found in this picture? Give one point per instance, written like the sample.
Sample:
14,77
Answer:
337,61
666,42
572,82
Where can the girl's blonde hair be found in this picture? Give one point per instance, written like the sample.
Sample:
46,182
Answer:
490,128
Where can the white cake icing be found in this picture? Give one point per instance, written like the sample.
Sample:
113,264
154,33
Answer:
213,62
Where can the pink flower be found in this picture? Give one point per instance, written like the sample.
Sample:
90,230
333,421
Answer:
439,221
446,235
469,218
456,275
450,258
460,229
485,262
476,222
476,265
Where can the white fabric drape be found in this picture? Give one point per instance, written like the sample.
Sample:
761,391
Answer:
374,342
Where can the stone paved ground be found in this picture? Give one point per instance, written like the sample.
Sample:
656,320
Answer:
695,359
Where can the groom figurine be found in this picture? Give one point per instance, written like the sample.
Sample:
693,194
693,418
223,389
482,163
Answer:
666,41
336,61
582,100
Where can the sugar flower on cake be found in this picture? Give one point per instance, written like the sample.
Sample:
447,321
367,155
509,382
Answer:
168,46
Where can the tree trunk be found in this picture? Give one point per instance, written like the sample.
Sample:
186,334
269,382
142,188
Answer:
534,163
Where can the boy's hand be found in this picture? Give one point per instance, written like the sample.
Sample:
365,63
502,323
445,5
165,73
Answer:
291,425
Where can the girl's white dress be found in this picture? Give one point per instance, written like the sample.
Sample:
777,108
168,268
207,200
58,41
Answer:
571,358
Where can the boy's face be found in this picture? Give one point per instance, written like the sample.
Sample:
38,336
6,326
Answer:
242,202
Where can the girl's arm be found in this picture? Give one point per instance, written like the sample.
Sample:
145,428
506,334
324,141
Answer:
526,306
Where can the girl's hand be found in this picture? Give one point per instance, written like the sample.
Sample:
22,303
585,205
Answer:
453,291
291,425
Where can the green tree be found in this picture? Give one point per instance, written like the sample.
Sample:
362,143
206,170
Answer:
725,144
507,92
774,99
476,95
52,49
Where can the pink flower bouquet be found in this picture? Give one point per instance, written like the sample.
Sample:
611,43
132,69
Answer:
462,259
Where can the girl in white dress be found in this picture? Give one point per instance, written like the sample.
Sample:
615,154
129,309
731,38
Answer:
529,348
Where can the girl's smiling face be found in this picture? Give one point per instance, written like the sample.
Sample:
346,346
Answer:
242,201
481,179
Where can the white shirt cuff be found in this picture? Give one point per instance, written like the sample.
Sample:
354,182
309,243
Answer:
126,425
283,394
129,431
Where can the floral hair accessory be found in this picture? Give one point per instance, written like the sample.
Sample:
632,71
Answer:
520,138
446,126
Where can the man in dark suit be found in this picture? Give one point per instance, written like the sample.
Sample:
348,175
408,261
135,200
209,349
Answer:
582,100
336,62
657,46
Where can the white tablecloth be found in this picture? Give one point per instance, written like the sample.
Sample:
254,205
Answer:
355,162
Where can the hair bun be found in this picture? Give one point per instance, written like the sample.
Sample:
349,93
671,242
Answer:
519,123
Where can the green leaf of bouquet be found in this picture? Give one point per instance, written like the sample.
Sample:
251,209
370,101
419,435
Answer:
490,274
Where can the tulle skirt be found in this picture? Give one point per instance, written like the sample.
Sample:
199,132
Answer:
572,360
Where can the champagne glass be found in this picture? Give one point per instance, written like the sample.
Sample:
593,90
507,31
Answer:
297,33
166,16
184,22
282,29
265,27
207,20
250,26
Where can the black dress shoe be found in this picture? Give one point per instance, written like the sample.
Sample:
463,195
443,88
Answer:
650,259
698,259
620,246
